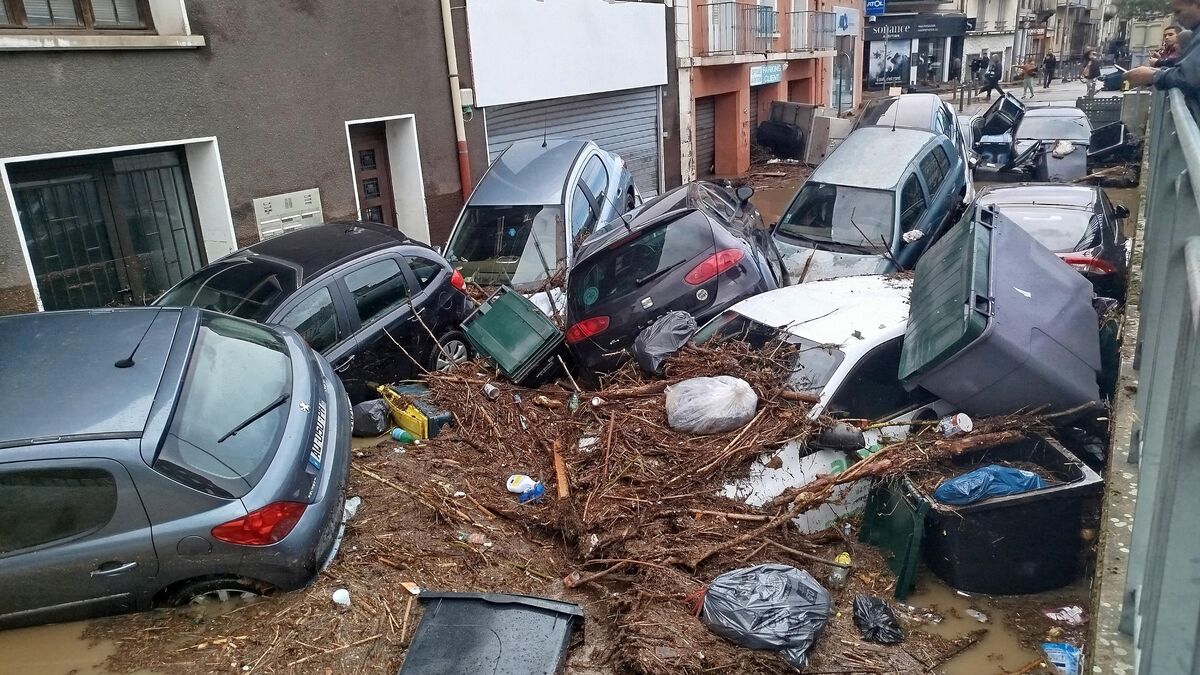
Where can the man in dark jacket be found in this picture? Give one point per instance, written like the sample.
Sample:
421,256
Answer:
991,77
1049,65
1185,74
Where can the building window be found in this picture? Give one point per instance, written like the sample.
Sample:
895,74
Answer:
75,14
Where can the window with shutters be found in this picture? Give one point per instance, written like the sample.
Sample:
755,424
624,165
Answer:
98,15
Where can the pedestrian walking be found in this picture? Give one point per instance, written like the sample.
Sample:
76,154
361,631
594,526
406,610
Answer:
991,77
977,64
1091,71
1028,71
1049,65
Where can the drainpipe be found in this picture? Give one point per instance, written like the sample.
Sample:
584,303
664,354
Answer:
460,132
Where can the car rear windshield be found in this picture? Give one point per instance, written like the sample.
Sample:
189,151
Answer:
515,245
632,264
890,112
237,370
851,217
251,289
812,365
1059,229
1054,128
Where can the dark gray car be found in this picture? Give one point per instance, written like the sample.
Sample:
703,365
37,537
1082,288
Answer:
161,456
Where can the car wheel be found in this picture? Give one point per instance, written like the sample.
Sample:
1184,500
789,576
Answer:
455,350
204,592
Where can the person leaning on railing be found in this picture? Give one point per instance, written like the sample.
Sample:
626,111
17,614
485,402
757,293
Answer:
1185,73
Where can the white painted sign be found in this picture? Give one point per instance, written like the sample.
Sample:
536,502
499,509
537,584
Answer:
765,73
845,21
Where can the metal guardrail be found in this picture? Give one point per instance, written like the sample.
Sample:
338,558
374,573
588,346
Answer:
1161,592
810,31
736,28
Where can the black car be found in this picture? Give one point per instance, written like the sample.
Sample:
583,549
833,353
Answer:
362,294
1078,222
698,248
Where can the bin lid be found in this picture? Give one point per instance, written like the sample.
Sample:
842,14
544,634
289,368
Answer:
511,331
1003,116
950,305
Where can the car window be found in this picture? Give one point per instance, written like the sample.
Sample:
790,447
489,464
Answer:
595,177
873,390
377,288
943,160
41,506
425,270
719,197
583,218
932,172
204,448
912,204
249,288
945,123
315,319
515,245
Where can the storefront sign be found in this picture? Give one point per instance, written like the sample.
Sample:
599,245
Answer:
909,27
876,7
765,73
888,62
845,21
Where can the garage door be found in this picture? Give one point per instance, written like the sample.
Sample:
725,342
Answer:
706,125
624,122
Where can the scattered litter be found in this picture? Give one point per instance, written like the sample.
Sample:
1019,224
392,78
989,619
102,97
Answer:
491,391
1071,615
912,235
460,494
519,483
1062,149
955,425
988,481
370,418
776,160
533,494
710,405
402,436
350,508
341,598
475,538
837,577
597,401
876,620
661,339
775,607
921,615
411,587
977,615
1066,658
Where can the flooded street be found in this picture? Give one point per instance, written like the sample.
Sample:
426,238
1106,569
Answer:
52,650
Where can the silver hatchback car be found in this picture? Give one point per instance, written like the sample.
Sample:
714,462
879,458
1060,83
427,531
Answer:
537,202
161,456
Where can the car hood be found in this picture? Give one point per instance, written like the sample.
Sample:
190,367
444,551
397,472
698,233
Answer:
807,264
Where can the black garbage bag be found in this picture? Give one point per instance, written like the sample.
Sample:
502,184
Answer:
776,607
663,338
876,621
371,418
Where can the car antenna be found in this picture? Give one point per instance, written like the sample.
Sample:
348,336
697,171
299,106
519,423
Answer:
545,125
127,362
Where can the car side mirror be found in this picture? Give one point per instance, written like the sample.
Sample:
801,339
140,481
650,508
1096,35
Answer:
1120,211
744,193
841,436
437,250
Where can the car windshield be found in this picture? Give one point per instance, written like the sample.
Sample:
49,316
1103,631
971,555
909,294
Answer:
248,288
1059,229
855,218
633,264
813,364
1058,128
515,245
198,450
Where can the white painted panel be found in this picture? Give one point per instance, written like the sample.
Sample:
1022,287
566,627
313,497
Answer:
404,159
531,50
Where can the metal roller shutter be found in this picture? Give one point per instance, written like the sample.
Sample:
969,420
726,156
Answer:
624,122
706,134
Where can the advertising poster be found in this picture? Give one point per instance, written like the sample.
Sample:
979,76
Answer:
888,62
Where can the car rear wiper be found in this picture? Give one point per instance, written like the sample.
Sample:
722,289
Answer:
256,416
654,275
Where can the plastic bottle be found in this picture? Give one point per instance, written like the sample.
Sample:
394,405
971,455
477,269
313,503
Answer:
402,435
837,578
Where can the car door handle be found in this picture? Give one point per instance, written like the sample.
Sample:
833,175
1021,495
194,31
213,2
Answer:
344,364
121,568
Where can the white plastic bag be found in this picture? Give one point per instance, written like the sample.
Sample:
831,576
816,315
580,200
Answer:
710,405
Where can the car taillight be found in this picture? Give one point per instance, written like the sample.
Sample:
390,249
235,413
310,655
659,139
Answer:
714,265
263,527
1088,263
586,329
456,280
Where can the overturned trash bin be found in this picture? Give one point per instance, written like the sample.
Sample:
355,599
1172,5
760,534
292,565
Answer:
490,633
515,335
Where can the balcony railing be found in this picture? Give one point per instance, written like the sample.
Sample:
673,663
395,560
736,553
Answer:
810,31
736,28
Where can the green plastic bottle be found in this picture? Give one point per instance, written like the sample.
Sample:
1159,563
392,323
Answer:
402,436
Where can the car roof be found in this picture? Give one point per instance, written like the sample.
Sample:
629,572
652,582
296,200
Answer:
316,249
1034,194
905,110
1054,111
854,312
69,383
674,204
529,173
858,161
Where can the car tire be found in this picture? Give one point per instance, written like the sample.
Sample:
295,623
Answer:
459,349
216,590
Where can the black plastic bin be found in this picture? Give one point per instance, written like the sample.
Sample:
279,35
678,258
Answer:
1026,543
490,634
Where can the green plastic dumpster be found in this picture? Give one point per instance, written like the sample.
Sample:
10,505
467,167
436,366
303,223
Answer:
514,334
999,324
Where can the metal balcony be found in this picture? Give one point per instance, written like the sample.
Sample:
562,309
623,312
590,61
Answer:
810,31
736,28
